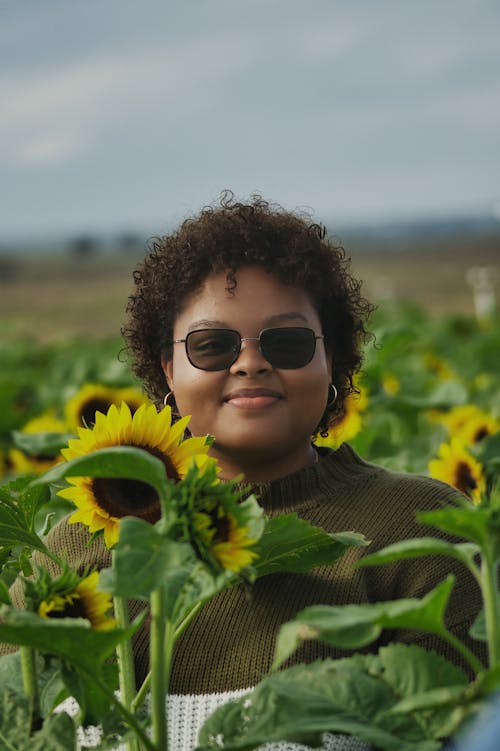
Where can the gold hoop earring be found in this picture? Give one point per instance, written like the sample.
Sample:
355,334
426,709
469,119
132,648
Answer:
167,397
332,395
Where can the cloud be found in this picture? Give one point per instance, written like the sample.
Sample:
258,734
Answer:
60,113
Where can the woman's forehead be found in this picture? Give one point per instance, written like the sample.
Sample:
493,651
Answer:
250,292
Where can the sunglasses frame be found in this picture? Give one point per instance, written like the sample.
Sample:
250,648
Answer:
242,339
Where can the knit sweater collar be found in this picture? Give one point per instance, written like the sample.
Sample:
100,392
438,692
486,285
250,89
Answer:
338,466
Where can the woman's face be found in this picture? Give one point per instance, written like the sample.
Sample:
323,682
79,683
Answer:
261,417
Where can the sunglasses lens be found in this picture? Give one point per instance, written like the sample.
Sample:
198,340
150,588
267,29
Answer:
213,349
288,347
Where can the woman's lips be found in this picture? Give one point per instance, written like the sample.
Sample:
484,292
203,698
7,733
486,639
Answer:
253,398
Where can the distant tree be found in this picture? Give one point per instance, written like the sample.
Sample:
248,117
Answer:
84,246
9,268
130,242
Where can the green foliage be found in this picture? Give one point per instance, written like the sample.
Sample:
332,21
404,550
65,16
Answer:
117,461
292,544
401,698
355,626
361,696
59,637
19,503
58,732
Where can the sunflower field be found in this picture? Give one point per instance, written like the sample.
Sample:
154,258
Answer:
427,397
427,401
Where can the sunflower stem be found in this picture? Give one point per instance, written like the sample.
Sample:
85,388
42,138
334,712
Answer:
159,678
28,670
491,605
142,693
468,655
189,617
128,716
126,670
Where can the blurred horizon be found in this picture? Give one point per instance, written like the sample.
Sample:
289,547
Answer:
125,120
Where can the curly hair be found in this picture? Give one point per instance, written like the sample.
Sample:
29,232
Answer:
225,238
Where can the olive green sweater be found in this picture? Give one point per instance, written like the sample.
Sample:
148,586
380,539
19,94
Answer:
230,644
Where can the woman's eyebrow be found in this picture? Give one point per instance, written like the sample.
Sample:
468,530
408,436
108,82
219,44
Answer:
206,324
280,317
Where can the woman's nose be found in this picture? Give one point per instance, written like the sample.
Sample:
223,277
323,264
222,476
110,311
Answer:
250,359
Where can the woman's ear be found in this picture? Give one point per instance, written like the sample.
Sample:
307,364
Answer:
329,365
168,368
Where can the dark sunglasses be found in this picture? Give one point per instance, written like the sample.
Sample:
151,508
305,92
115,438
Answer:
288,347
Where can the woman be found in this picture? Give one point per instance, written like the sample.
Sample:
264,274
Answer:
248,319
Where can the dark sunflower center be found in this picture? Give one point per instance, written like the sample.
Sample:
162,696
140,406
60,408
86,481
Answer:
480,433
88,410
221,525
124,497
465,481
75,609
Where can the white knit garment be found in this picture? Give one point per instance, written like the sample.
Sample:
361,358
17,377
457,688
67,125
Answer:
188,713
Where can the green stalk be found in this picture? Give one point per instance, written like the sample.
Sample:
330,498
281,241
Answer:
491,605
466,653
130,719
187,620
142,693
126,670
28,670
159,681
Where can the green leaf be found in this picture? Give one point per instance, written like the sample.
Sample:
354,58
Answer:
478,628
194,585
427,684
143,559
414,548
354,626
41,444
117,461
293,545
15,721
470,523
300,704
19,503
444,394
58,732
489,451
93,702
17,512
50,685
4,593
60,637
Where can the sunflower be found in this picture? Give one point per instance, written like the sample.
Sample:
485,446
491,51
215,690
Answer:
83,602
20,462
225,540
390,384
132,396
456,418
457,467
438,367
479,427
350,423
467,422
101,502
80,410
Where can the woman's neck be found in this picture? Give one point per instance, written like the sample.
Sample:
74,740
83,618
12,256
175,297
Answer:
263,469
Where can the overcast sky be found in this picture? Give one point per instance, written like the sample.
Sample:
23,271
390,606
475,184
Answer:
124,115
